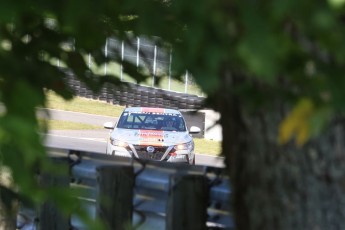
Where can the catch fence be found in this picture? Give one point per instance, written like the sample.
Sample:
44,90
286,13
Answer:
142,52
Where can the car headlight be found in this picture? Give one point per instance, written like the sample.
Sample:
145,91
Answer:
184,146
118,143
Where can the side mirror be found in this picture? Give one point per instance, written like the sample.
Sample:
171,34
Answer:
109,125
194,130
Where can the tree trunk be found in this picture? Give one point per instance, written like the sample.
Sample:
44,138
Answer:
280,187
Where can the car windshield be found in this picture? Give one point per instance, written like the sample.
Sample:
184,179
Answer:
152,121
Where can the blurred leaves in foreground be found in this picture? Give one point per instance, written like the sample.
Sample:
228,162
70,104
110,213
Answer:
260,51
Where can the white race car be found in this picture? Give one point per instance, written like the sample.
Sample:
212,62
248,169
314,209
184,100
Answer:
152,133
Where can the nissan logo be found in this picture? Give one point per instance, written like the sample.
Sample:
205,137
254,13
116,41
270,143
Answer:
150,149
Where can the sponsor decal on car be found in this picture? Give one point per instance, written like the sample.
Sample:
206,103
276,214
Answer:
151,137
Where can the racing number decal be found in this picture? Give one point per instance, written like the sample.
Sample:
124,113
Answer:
150,137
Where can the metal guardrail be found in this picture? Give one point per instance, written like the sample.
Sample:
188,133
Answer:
152,190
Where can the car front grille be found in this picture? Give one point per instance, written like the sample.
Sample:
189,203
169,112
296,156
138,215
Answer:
156,155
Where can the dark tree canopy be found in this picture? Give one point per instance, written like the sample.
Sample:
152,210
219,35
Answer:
274,65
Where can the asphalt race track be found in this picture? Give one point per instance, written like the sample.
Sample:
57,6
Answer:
95,140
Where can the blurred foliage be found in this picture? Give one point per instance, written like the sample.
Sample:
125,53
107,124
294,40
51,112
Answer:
282,49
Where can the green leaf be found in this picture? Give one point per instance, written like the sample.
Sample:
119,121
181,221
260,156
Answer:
337,3
259,46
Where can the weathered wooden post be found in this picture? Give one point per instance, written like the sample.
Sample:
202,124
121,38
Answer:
115,201
50,217
7,211
187,202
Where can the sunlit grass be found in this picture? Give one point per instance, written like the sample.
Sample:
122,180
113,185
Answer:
204,146
68,125
83,105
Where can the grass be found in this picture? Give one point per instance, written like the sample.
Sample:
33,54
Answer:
68,125
204,146
83,105
78,104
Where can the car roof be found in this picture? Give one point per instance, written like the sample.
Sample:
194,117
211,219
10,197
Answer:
151,110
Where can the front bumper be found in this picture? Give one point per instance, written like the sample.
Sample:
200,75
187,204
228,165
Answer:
168,155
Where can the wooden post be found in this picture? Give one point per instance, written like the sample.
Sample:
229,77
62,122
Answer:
115,201
187,202
50,217
8,205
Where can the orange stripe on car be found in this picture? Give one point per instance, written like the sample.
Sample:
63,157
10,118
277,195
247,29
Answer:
152,110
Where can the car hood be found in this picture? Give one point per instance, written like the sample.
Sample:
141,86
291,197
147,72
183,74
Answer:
150,137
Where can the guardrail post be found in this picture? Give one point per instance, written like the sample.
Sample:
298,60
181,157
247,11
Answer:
7,211
50,217
187,202
115,201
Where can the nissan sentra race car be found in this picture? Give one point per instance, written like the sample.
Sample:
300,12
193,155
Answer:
152,133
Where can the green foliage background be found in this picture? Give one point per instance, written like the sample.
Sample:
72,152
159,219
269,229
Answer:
286,49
